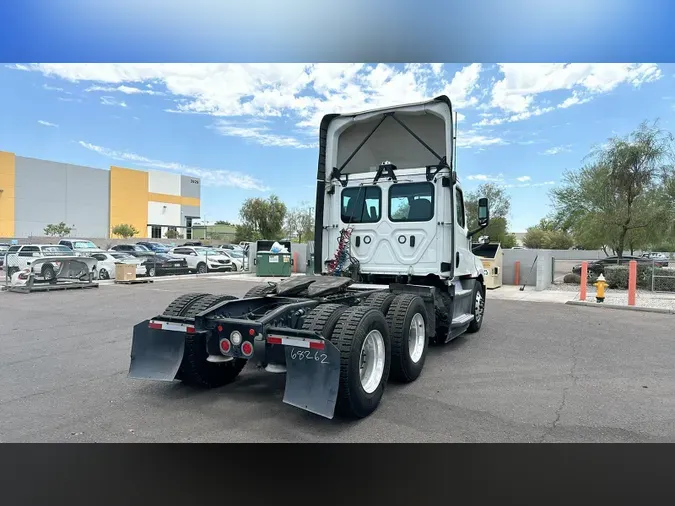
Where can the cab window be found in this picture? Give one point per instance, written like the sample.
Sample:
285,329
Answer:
362,204
411,202
459,208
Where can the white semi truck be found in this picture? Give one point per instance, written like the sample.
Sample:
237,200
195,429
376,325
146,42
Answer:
394,272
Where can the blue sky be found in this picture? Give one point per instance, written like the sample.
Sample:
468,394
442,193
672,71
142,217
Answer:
249,130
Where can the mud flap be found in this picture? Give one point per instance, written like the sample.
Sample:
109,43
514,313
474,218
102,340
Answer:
155,354
313,378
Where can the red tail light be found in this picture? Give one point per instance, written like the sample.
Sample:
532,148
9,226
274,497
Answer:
247,348
225,346
156,326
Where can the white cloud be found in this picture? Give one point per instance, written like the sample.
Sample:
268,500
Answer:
209,177
515,94
68,99
486,178
47,123
259,134
301,93
471,139
112,101
52,88
528,185
522,179
557,150
128,90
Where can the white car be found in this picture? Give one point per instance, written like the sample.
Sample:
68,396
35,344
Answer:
237,258
201,259
80,246
107,260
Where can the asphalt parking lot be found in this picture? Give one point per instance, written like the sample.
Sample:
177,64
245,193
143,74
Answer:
536,372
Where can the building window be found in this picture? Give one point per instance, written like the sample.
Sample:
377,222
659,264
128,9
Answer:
411,202
156,232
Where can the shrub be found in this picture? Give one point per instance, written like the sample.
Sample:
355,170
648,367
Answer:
572,278
617,278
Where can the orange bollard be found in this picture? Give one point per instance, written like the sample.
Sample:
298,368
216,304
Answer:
516,273
295,262
584,281
632,282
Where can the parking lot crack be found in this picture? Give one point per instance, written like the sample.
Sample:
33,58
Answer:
573,378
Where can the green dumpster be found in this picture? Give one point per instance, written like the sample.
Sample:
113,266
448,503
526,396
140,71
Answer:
270,264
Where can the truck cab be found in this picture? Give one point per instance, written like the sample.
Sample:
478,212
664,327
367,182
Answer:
387,177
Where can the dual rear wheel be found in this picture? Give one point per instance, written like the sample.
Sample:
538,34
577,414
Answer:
386,337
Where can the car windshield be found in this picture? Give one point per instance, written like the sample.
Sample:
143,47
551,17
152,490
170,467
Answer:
121,256
84,245
236,254
51,251
140,247
210,251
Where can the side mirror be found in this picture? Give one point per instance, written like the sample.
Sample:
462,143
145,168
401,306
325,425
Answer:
483,216
483,212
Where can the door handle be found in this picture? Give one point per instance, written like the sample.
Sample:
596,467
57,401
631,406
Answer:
457,259
358,241
412,241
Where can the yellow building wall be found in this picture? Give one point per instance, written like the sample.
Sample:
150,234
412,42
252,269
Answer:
129,199
7,179
173,199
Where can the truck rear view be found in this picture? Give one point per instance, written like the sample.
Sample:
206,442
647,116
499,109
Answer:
395,272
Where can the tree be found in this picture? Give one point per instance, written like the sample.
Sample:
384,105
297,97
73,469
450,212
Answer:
172,233
620,198
547,235
261,219
222,222
300,222
60,229
499,203
124,230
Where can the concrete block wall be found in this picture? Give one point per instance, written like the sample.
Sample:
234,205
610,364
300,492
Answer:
542,272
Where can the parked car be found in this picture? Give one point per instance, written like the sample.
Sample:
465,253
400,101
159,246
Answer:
193,243
162,263
27,253
237,257
106,261
598,266
202,260
80,246
3,250
133,249
660,257
157,247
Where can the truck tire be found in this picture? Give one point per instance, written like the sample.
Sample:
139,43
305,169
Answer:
381,301
258,291
195,370
323,318
361,335
408,321
182,303
477,308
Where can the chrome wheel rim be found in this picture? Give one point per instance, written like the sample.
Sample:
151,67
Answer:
416,337
479,307
371,363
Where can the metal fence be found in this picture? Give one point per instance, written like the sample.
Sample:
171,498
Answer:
651,275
